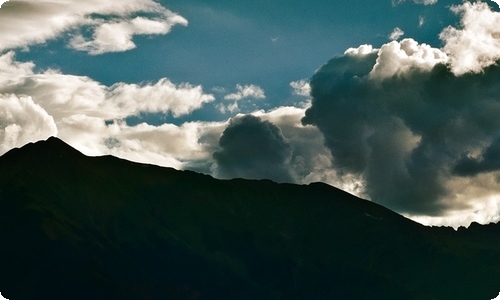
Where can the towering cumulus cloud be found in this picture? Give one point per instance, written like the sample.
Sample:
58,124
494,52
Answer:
411,120
253,148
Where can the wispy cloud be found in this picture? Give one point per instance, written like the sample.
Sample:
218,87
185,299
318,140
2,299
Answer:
421,21
246,91
424,2
26,23
301,87
396,34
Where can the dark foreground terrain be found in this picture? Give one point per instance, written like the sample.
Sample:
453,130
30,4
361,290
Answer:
77,227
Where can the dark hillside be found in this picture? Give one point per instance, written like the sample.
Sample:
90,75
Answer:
77,227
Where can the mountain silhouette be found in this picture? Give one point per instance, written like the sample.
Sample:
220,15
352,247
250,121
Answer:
78,227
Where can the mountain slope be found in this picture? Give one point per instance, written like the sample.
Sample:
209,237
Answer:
77,227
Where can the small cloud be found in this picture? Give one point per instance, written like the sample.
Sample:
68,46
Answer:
301,87
230,108
424,2
253,148
218,89
396,34
118,36
421,21
246,91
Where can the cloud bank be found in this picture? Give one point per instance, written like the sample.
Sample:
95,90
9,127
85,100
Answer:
411,121
90,115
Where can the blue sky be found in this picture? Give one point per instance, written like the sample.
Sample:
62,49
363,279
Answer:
266,43
401,120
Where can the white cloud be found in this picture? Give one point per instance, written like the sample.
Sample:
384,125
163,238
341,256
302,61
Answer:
471,47
424,2
361,50
301,87
421,21
246,91
402,57
229,108
165,145
25,23
22,121
484,211
476,43
396,34
34,106
117,36
62,95
163,96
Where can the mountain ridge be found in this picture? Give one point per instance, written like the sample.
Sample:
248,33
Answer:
127,230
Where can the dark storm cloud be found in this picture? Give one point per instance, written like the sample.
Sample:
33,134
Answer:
489,161
254,149
399,118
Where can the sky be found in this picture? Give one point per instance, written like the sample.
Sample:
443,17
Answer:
396,101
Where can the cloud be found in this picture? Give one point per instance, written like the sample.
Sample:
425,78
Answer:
62,95
78,109
254,149
476,43
311,160
488,161
406,120
421,21
396,34
163,96
242,92
117,36
26,23
301,87
22,121
401,58
246,91
424,2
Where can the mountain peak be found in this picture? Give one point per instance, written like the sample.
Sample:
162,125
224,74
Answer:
114,228
52,151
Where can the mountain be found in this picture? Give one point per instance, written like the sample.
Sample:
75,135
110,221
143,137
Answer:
78,227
